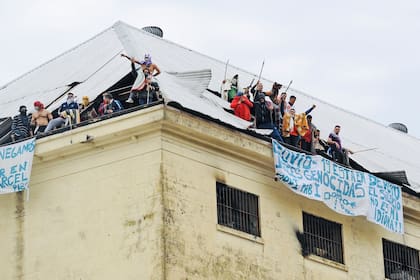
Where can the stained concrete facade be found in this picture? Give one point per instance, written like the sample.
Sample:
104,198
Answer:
139,202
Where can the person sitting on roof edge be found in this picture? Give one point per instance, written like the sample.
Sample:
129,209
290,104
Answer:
68,109
242,106
21,125
86,112
339,154
109,105
320,145
40,118
263,119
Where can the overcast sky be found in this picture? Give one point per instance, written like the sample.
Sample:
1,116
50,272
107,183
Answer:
360,55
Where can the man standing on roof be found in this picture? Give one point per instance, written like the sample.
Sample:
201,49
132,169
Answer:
149,65
338,152
21,125
40,118
263,120
257,89
295,126
68,109
291,103
145,64
307,139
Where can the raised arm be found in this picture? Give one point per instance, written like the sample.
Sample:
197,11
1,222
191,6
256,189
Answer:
132,59
157,70
310,109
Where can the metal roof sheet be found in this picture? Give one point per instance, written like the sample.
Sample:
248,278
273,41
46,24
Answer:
186,73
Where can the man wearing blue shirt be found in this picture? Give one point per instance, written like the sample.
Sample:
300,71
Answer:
68,108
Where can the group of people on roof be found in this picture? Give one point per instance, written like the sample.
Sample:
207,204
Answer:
69,113
270,110
143,91
266,109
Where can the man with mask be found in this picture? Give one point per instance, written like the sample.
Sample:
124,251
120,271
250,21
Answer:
21,125
41,117
68,108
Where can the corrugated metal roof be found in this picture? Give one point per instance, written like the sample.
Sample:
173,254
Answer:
186,74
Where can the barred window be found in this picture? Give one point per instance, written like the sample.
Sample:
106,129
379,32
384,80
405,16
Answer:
400,262
237,209
323,238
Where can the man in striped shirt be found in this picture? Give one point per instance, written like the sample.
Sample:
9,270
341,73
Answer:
21,125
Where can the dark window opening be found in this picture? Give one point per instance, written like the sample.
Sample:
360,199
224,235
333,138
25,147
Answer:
237,209
323,238
400,261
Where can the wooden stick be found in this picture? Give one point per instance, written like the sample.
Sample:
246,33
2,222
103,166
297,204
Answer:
365,150
288,86
129,58
262,67
250,84
226,67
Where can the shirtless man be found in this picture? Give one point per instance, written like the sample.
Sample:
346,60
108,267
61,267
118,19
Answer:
148,64
145,64
41,117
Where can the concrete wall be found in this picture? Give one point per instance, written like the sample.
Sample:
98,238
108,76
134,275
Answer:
95,214
196,248
139,202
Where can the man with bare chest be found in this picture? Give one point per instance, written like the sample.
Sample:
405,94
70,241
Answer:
41,117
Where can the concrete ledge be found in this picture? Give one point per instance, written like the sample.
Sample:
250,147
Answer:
328,262
240,234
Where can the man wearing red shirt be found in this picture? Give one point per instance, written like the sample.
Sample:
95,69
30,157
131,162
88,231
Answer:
242,106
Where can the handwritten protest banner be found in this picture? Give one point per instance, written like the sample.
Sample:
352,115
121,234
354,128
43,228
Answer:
16,165
346,191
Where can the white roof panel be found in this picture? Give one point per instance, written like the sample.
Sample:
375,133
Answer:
186,74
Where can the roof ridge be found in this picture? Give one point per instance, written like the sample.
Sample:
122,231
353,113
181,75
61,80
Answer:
354,114
267,80
55,58
186,48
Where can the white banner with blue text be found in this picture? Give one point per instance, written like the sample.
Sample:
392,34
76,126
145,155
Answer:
346,191
16,165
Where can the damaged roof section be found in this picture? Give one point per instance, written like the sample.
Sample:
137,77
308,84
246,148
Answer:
95,66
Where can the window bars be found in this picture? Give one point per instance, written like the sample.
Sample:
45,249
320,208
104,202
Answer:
323,238
237,209
400,261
